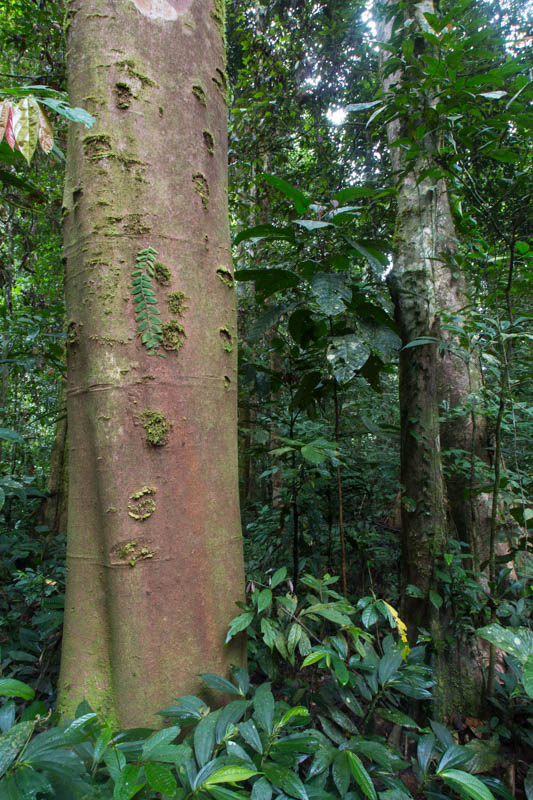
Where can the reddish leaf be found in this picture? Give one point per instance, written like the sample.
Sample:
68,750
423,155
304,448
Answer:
9,132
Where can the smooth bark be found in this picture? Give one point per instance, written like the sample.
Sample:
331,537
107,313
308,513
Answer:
154,542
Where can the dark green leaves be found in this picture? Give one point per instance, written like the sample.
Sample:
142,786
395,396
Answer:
300,201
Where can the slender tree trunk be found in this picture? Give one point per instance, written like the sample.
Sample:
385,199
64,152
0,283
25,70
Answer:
154,542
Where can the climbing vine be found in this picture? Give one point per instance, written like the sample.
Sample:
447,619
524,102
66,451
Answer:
146,311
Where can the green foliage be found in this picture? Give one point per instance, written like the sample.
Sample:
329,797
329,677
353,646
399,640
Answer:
261,744
145,301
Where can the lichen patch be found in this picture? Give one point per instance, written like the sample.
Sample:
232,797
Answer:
166,10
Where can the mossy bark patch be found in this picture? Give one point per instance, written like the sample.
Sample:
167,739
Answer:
142,503
173,335
157,427
209,142
177,302
162,273
227,339
199,93
224,274
202,187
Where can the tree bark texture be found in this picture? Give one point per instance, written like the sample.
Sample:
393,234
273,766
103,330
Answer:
154,541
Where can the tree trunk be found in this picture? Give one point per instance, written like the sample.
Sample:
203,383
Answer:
154,542
423,286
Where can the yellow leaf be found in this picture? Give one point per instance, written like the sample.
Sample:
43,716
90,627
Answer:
46,133
402,628
26,125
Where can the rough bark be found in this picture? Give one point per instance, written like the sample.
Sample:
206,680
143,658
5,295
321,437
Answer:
154,542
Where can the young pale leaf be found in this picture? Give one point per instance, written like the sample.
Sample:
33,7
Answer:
467,785
26,126
4,115
160,778
9,132
312,224
361,776
362,106
301,202
231,774
46,133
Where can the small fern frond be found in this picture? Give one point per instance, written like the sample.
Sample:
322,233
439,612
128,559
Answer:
145,301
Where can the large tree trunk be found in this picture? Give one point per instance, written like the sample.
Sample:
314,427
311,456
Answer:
154,542
432,378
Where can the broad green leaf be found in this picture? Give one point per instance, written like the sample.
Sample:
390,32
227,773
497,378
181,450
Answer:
346,355
331,292
268,281
262,790
74,114
230,715
518,642
157,741
297,711
465,784
219,683
301,202
13,436
506,156
11,743
311,224
264,707
187,707
354,193
313,454
250,734
389,665
397,717
231,774
286,780
453,756
361,776
341,772
204,738
126,784
101,744
278,577
264,600
239,624
7,716
9,687
435,599
25,784
269,232
424,751
223,793
160,778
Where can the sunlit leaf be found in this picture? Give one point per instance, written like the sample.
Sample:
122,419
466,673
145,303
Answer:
46,133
